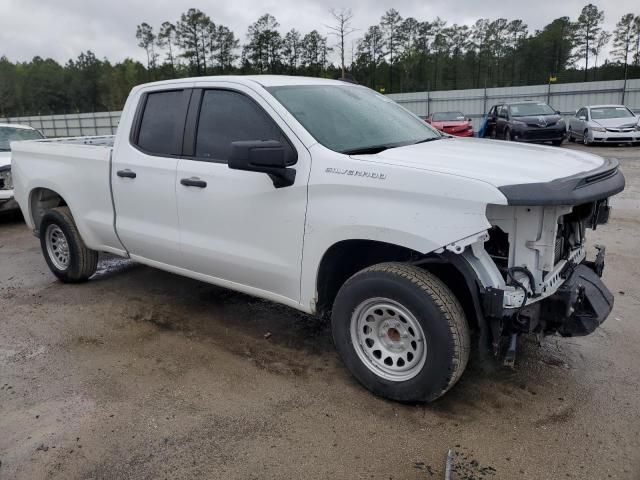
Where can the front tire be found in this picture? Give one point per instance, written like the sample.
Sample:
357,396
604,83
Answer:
64,250
507,135
585,138
401,332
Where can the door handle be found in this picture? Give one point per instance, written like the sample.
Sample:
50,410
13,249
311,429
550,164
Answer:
126,173
193,182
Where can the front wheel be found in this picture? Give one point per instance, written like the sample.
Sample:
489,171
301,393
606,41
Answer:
401,332
507,135
585,138
64,250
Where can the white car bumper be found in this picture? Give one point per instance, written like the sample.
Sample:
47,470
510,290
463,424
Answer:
615,137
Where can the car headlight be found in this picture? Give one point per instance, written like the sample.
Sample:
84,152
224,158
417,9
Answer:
518,123
6,182
598,129
638,127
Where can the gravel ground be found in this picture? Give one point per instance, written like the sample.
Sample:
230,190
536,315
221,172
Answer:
143,374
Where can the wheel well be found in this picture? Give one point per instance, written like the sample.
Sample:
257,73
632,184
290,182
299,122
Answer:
43,199
348,257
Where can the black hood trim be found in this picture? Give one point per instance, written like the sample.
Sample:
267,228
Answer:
583,187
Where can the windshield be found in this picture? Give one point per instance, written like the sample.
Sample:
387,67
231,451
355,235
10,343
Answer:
13,134
448,117
601,113
351,119
530,109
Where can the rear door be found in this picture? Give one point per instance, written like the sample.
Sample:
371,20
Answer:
144,175
235,225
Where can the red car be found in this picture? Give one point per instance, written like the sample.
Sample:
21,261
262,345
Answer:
453,123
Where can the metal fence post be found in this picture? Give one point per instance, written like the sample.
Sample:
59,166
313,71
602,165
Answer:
111,123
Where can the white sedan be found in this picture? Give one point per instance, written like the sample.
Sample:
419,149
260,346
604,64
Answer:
11,133
604,124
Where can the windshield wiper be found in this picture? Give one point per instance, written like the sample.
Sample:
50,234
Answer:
430,139
367,150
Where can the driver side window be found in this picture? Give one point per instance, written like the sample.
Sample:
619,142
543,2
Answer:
227,116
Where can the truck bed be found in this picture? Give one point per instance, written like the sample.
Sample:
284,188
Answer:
95,141
80,168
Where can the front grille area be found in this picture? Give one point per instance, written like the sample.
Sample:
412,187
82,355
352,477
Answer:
542,133
619,139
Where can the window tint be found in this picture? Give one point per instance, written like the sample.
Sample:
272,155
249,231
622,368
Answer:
226,117
162,123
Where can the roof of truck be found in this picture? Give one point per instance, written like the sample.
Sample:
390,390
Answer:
264,80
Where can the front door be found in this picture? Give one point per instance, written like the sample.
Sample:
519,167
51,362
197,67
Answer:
235,225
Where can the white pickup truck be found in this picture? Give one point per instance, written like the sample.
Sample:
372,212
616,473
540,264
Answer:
334,200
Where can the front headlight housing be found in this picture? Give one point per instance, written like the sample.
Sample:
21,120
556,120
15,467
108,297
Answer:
598,129
6,182
518,123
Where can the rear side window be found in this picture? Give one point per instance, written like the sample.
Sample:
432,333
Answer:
227,116
162,123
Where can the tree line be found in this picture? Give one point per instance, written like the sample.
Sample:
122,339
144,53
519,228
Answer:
397,54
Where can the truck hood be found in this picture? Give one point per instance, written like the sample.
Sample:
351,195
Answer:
495,162
5,158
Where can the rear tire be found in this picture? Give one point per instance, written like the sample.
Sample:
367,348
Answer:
401,332
64,250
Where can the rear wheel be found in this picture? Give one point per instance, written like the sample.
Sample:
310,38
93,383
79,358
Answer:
401,332
64,250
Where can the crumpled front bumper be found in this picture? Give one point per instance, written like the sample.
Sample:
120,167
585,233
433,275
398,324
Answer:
581,304
7,202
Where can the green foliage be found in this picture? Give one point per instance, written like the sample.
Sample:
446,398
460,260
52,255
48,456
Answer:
398,54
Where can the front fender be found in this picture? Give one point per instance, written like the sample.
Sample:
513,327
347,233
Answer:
417,209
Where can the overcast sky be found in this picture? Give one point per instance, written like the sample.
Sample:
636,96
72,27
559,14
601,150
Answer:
61,29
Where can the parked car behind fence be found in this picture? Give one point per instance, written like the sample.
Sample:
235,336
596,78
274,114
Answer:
604,124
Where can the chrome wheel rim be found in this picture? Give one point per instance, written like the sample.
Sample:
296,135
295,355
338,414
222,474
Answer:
57,247
388,339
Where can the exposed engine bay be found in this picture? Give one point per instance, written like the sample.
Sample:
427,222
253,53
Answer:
534,271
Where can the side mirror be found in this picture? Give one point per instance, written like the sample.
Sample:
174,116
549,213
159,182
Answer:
469,119
582,117
264,156
558,112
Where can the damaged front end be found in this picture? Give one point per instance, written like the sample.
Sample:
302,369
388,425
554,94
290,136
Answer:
532,269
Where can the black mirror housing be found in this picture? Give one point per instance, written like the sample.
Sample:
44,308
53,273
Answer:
264,156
